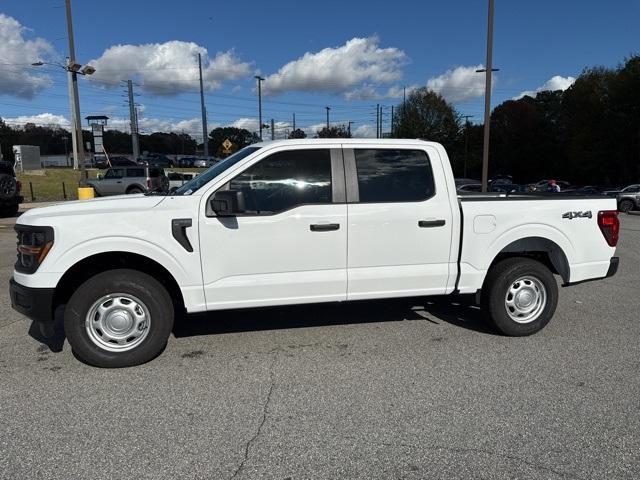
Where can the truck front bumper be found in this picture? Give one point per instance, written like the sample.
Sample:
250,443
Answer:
35,303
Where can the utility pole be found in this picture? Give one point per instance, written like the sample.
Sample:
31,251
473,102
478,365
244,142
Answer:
327,108
377,120
260,80
391,120
273,130
205,133
134,124
76,131
294,122
349,128
466,143
488,70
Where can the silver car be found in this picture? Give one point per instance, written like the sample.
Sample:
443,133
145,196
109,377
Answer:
205,162
126,180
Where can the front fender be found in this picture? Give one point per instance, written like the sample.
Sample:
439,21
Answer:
55,266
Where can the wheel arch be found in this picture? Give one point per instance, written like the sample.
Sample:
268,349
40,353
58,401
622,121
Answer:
542,249
89,266
136,186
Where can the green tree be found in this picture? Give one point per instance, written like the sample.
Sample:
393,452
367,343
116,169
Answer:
427,115
239,137
334,131
297,133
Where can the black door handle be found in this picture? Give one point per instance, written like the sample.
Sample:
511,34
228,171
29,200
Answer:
431,223
324,227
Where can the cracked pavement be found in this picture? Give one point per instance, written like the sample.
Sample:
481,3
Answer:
400,389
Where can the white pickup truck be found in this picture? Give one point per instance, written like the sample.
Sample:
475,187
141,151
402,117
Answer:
302,221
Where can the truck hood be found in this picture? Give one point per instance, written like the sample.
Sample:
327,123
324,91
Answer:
115,204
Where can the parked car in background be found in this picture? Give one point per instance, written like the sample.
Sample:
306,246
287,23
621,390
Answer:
177,179
129,180
493,187
465,181
186,162
545,186
586,190
470,188
156,160
629,198
205,162
10,198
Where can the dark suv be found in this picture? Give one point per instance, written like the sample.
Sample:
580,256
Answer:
10,197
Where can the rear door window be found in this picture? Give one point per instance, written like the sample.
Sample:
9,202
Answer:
393,175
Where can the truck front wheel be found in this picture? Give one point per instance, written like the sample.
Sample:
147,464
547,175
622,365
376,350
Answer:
519,296
118,318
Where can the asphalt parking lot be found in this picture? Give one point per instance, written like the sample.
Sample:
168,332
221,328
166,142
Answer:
403,389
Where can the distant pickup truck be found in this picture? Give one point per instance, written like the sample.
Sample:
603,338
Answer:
303,221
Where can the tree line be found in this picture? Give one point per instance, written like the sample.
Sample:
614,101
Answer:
587,134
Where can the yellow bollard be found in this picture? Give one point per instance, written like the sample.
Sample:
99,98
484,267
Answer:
85,193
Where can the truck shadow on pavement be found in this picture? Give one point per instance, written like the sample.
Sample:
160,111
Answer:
459,311
436,311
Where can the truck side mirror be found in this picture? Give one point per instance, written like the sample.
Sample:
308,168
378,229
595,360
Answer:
227,203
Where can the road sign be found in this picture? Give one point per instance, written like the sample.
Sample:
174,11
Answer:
227,146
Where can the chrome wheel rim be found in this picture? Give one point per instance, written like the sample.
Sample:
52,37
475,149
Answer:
525,300
118,322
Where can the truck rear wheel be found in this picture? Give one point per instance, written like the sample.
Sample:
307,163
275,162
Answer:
519,296
118,318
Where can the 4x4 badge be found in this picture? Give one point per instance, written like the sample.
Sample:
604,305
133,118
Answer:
572,215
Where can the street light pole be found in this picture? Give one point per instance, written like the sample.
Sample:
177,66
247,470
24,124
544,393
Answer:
260,80
487,99
72,76
205,133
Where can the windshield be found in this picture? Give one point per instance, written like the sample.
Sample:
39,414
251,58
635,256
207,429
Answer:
208,175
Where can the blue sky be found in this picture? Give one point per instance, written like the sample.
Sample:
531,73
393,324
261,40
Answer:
358,54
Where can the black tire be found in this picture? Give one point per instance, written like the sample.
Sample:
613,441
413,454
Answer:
500,279
625,206
133,190
8,186
131,282
9,210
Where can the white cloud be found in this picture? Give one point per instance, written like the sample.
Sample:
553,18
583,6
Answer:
369,92
16,54
41,119
167,68
365,131
338,69
460,84
250,124
557,82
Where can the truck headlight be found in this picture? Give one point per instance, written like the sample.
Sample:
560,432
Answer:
34,243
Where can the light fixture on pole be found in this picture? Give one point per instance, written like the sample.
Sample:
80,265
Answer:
73,69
